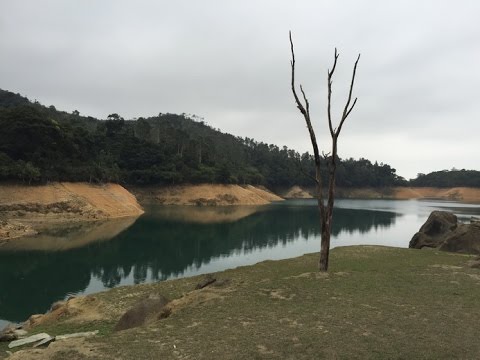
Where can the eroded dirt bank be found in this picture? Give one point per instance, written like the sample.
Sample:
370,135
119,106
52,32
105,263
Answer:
457,193
24,209
205,194
399,193
29,210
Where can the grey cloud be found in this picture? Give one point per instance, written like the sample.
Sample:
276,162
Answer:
228,61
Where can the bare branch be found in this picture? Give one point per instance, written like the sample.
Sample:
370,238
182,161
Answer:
330,74
346,110
330,126
305,112
351,108
306,101
292,63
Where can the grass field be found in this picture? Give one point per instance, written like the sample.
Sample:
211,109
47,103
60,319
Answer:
375,303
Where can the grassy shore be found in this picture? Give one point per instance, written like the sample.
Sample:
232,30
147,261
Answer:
375,303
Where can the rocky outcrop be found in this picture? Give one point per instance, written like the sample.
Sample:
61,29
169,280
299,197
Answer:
465,239
442,231
432,233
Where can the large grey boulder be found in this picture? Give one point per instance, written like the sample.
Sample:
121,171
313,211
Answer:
442,231
432,233
465,239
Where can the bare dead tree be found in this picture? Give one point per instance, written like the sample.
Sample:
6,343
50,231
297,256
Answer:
325,209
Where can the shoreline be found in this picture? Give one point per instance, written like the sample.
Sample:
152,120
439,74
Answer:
462,194
281,298
24,207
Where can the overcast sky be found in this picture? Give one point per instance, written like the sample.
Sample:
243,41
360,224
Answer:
418,81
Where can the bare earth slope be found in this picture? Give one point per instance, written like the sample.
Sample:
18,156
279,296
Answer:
457,193
205,194
400,193
296,192
23,208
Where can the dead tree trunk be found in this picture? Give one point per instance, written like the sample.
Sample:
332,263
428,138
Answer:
326,210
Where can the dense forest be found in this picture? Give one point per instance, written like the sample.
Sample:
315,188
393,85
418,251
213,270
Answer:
448,178
40,144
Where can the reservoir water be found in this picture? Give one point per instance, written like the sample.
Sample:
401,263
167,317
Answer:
176,241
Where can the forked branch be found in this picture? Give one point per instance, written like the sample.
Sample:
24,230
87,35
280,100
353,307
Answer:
330,74
348,109
294,91
304,109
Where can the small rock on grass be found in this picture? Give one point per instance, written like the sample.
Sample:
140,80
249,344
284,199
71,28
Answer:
20,332
8,336
11,332
207,280
138,314
75,335
44,342
28,340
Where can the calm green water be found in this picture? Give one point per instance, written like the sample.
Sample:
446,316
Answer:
170,242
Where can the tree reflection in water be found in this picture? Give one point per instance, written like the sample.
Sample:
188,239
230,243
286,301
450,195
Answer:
157,247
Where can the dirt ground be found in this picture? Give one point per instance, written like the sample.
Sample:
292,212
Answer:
205,195
458,193
23,208
399,193
296,192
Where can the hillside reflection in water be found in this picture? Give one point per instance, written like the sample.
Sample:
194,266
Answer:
169,242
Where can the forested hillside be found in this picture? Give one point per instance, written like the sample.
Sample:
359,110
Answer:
448,178
40,144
